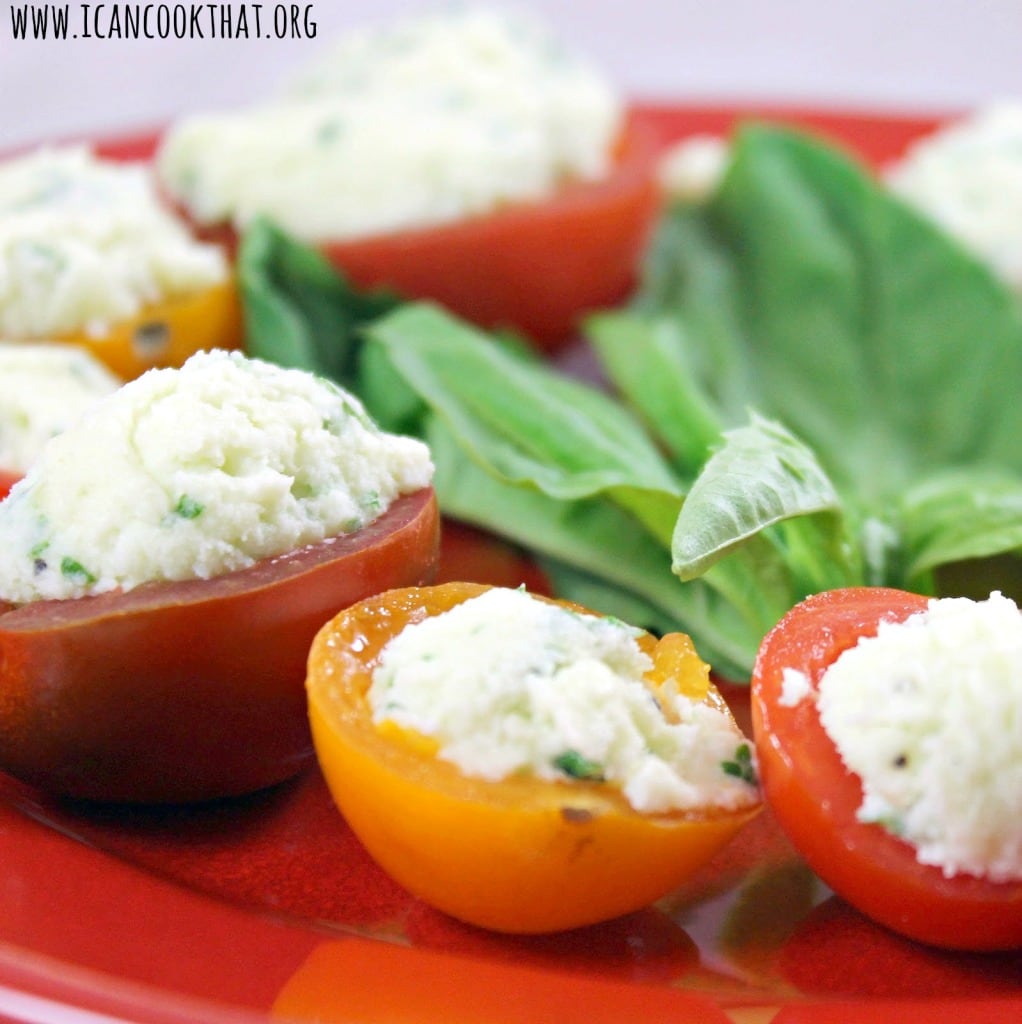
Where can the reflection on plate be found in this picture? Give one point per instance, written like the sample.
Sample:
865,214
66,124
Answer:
267,907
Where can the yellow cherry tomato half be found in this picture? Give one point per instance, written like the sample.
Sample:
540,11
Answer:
167,333
523,854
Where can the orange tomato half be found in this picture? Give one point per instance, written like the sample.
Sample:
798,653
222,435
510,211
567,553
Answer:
520,855
167,333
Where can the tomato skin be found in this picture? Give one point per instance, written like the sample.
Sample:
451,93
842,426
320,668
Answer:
815,798
521,855
193,690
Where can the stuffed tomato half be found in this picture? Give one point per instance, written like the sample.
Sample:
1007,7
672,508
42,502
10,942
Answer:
92,258
889,748
522,764
466,157
166,562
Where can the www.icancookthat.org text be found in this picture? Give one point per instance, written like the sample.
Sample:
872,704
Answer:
162,21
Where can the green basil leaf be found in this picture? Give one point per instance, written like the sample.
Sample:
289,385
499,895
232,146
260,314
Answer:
857,323
761,476
526,422
648,361
961,515
299,311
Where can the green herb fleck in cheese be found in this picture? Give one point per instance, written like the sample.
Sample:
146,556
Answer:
85,244
194,472
928,714
428,120
43,390
507,684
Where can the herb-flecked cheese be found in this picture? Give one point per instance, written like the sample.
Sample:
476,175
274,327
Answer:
928,714
507,684
968,177
192,472
85,244
429,119
44,389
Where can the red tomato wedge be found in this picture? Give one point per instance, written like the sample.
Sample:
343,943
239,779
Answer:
191,690
815,798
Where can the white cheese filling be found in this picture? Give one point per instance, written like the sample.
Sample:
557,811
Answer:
427,120
44,389
692,168
928,714
510,684
193,472
85,244
968,178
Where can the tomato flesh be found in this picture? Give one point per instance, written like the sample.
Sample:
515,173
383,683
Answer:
190,690
815,798
519,855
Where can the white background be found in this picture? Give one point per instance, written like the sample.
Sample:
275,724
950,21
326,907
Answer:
910,55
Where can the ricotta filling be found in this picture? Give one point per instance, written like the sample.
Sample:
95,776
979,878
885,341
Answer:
968,178
193,472
928,715
44,389
85,244
427,120
691,169
509,684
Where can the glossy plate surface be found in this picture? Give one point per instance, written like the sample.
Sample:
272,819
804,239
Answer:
266,908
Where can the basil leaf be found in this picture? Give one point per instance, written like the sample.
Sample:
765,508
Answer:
527,423
958,516
761,476
648,361
299,311
860,325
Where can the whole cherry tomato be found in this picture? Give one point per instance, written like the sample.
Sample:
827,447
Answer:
517,855
815,798
190,690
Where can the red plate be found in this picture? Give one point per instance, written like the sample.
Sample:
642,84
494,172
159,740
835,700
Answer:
267,908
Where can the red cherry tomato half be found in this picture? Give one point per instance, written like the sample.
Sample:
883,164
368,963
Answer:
815,798
190,690
534,267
